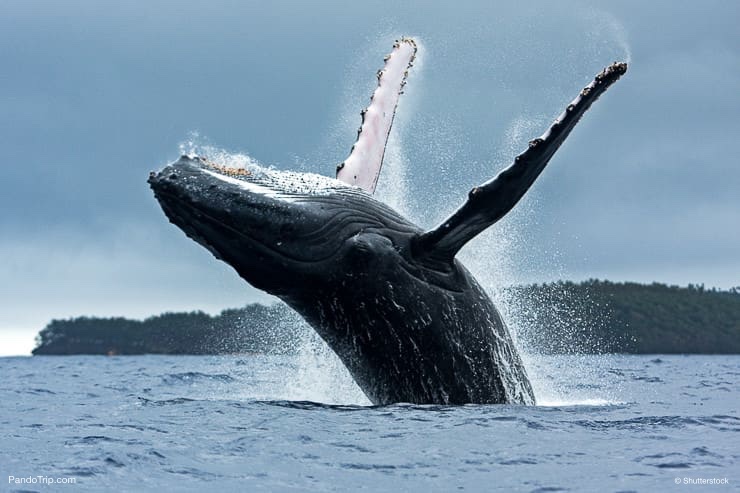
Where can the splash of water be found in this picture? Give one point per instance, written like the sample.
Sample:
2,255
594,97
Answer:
197,145
393,186
607,32
320,375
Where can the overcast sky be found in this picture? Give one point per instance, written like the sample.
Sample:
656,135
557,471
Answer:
95,94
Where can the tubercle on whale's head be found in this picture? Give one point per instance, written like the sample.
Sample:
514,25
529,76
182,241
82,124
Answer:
277,229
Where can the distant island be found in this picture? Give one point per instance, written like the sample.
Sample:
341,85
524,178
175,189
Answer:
552,318
255,328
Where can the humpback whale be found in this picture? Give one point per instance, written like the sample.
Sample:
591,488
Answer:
407,319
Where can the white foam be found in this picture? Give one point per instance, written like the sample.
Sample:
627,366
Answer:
577,402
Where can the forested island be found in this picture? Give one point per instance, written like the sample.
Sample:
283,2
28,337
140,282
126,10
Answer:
554,318
255,328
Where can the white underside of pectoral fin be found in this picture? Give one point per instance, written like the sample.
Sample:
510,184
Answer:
362,167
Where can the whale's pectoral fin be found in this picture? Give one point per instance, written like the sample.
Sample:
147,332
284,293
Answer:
491,201
362,167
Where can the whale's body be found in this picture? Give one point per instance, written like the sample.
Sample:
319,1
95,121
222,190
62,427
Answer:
406,318
345,262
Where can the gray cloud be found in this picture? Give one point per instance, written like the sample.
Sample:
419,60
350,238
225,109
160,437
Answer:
94,95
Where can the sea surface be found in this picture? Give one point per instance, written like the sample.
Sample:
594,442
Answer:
241,423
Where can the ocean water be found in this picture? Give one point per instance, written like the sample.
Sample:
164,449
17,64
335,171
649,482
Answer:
229,423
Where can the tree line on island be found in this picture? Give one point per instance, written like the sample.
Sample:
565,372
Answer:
552,318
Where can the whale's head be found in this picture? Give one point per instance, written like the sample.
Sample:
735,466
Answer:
278,229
